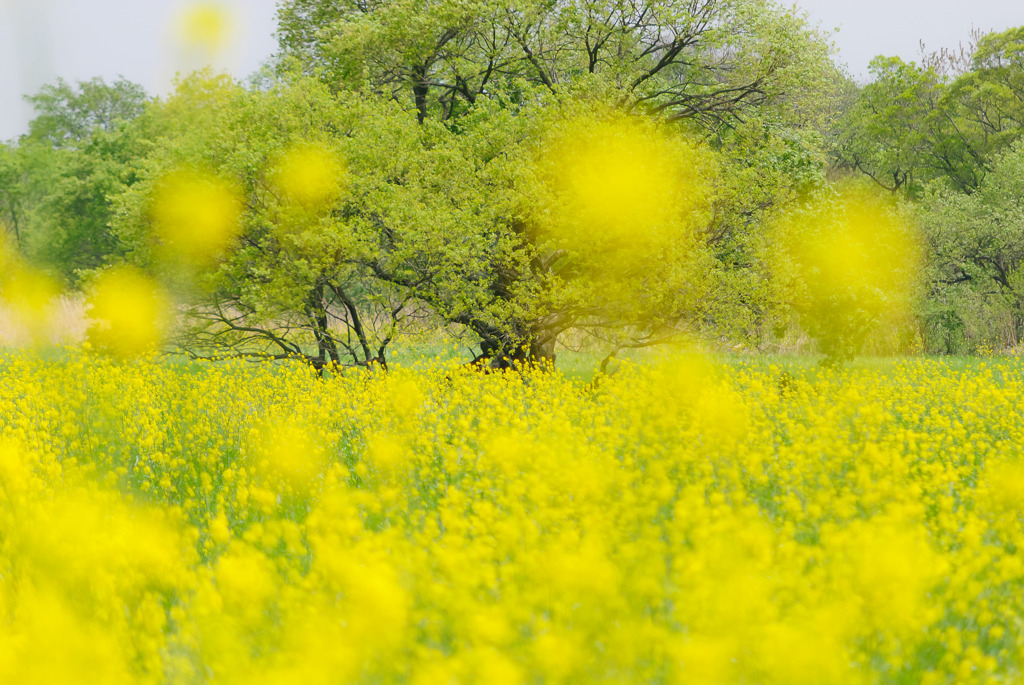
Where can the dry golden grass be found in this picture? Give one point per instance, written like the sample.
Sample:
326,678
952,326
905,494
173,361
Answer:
65,323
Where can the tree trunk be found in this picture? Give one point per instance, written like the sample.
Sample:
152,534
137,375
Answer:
316,309
499,352
420,90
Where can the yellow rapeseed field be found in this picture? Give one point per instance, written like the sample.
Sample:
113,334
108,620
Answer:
683,522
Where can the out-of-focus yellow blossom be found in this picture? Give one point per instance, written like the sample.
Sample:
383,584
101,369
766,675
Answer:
195,215
1005,480
246,579
853,262
84,572
867,249
287,453
622,188
205,26
385,452
129,312
54,644
27,295
309,175
30,296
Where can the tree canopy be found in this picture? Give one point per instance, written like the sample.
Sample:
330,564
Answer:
617,172
914,124
56,183
711,61
433,129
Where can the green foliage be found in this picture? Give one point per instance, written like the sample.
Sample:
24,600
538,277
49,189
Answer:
750,75
428,223
885,132
410,226
258,293
76,212
68,116
12,191
987,102
768,171
399,170
82,149
712,61
948,134
914,124
977,247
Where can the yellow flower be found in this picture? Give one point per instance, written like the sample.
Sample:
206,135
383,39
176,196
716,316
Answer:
129,312
309,175
196,215
205,26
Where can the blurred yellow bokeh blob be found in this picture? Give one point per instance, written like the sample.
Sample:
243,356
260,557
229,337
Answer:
285,455
27,296
7,254
868,249
854,265
129,312
622,186
196,215
386,453
309,175
205,26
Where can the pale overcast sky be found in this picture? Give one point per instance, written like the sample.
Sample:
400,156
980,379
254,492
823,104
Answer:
895,27
79,39
76,40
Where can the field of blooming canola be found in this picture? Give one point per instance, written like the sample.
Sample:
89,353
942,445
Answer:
681,522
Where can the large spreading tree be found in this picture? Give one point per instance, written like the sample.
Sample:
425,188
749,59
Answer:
459,163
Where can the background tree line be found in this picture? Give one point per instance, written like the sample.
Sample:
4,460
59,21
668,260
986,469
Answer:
945,136
465,164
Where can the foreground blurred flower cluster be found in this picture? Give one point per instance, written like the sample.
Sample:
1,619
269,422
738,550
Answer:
681,522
